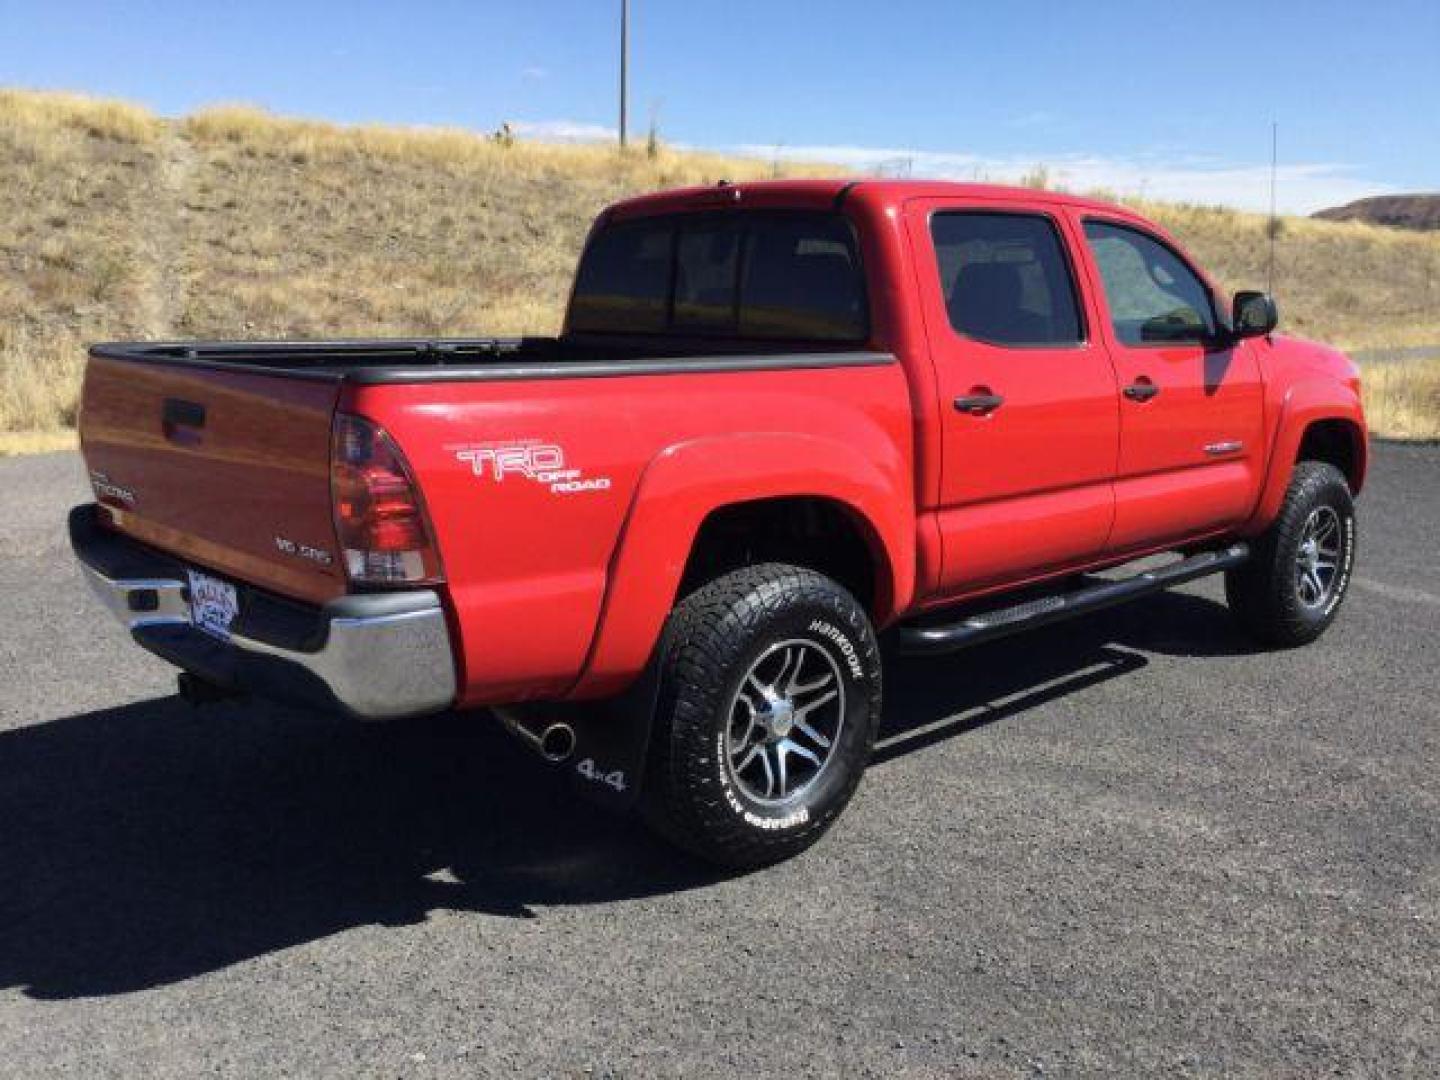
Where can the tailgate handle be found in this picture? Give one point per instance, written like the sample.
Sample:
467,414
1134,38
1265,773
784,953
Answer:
182,420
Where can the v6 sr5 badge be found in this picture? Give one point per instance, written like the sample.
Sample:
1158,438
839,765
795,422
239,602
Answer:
540,463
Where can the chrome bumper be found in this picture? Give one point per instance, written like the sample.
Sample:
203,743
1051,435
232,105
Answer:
374,656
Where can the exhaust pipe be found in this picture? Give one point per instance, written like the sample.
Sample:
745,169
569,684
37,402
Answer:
554,741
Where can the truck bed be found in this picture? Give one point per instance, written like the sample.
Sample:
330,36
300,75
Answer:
219,451
412,360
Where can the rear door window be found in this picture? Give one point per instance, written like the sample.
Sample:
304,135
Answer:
792,276
1005,278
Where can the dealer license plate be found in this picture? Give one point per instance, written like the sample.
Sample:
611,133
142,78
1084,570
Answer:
213,604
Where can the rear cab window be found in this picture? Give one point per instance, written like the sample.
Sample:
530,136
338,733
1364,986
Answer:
769,275
624,279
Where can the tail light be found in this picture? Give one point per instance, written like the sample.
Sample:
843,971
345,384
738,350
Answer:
380,519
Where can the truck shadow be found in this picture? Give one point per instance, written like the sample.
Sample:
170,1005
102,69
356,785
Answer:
149,843
930,699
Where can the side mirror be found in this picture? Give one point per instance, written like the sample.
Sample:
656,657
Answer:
1253,314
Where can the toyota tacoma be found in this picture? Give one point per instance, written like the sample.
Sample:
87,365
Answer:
781,419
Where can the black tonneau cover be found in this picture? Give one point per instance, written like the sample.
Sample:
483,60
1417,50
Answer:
400,360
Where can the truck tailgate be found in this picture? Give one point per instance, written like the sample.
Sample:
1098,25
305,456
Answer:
227,469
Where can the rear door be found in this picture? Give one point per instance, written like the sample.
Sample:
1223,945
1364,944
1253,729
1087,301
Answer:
227,469
1190,409
1027,405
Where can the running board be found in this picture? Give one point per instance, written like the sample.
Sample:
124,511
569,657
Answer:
989,625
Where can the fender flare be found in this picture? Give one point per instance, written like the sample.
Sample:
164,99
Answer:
685,483
1305,403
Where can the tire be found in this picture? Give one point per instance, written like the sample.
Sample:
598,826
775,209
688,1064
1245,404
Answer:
1274,596
719,733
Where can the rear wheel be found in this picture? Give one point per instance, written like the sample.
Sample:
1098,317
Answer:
770,698
1291,589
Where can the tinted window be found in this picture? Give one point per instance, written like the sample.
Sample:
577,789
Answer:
1005,279
802,280
1153,296
764,275
705,265
623,283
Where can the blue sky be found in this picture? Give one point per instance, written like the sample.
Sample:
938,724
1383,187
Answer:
1171,100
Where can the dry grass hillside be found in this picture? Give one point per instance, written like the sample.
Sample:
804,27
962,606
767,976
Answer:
115,223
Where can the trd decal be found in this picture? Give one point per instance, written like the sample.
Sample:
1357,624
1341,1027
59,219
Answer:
542,463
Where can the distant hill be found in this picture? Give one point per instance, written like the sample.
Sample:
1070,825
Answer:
1395,211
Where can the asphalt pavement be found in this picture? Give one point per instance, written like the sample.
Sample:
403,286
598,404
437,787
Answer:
1130,844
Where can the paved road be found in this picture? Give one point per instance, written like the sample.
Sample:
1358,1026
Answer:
1129,844
1396,353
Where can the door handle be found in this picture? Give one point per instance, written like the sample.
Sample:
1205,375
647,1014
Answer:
979,404
1143,390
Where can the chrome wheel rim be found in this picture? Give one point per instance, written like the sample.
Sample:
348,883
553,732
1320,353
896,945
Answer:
784,722
1317,559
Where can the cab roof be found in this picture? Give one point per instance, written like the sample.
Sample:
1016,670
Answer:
828,193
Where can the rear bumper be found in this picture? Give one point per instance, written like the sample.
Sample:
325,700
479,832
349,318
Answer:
373,656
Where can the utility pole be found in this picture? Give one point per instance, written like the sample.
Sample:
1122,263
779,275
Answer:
624,65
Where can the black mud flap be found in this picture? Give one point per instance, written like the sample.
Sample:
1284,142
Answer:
612,744
611,738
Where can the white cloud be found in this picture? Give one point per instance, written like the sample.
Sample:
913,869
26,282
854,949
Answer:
534,73
1300,188
563,131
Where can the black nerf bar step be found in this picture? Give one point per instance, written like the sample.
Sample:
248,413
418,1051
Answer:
989,625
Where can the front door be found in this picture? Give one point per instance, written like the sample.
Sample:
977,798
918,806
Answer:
1190,406
1027,399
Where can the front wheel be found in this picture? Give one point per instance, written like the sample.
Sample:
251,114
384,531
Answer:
770,698
1293,585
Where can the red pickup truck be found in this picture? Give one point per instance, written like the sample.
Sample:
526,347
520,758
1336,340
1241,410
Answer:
781,419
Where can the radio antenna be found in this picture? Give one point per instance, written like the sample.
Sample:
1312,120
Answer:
1273,227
